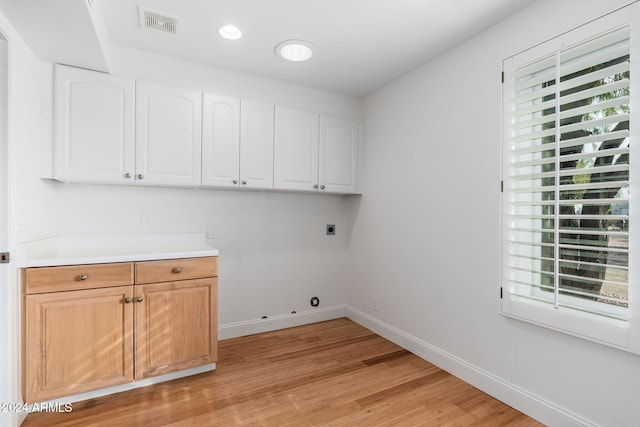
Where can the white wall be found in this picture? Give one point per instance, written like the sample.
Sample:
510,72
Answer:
426,233
274,254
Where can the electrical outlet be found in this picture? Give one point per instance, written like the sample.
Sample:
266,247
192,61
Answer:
374,303
211,231
331,229
145,216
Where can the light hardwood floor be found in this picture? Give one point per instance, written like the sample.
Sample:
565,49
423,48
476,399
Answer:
333,373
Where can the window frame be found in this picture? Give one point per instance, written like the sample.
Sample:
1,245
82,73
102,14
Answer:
621,334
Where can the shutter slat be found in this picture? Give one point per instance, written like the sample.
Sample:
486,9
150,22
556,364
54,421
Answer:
573,171
594,107
595,185
548,75
590,124
602,42
534,95
611,136
595,75
534,135
595,249
594,92
534,122
535,67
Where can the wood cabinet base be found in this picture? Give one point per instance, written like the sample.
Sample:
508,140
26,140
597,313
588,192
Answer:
174,326
75,341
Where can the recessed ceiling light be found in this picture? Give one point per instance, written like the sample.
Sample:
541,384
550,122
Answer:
295,50
230,32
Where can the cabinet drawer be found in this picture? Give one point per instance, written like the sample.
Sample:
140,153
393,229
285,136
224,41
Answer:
176,269
39,280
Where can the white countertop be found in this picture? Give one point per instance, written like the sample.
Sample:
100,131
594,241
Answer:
70,250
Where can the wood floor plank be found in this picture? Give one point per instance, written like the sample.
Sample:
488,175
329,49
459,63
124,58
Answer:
333,373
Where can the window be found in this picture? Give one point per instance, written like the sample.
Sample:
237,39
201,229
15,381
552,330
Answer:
567,199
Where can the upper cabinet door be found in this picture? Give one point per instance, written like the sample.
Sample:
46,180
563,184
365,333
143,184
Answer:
168,135
256,145
296,150
338,155
94,126
220,141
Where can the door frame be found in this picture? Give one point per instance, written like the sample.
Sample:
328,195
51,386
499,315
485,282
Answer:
9,295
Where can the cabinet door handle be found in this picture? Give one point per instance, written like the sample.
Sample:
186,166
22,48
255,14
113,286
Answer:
315,185
235,181
177,270
128,300
140,176
244,182
127,175
83,277
322,187
139,299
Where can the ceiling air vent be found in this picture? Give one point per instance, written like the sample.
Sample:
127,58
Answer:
153,20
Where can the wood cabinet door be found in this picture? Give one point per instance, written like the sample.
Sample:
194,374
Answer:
94,126
168,135
256,145
77,341
338,165
220,141
176,326
296,150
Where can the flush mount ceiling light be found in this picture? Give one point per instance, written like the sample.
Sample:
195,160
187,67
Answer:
230,32
295,50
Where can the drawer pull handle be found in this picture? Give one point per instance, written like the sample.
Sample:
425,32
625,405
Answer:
127,300
177,270
139,299
83,277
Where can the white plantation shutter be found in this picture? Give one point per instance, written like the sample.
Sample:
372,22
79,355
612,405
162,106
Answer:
566,173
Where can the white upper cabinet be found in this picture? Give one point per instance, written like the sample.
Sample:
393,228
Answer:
168,135
338,155
315,152
296,150
220,141
120,131
237,144
94,126
256,145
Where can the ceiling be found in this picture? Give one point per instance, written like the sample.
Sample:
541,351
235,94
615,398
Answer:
62,31
361,45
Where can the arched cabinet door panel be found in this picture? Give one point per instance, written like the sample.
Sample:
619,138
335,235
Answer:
168,135
296,150
94,127
220,141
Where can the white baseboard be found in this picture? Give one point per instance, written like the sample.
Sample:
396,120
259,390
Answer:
119,388
273,323
525,402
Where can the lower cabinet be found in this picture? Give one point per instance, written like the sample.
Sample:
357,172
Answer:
128,321
175,326
77,341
